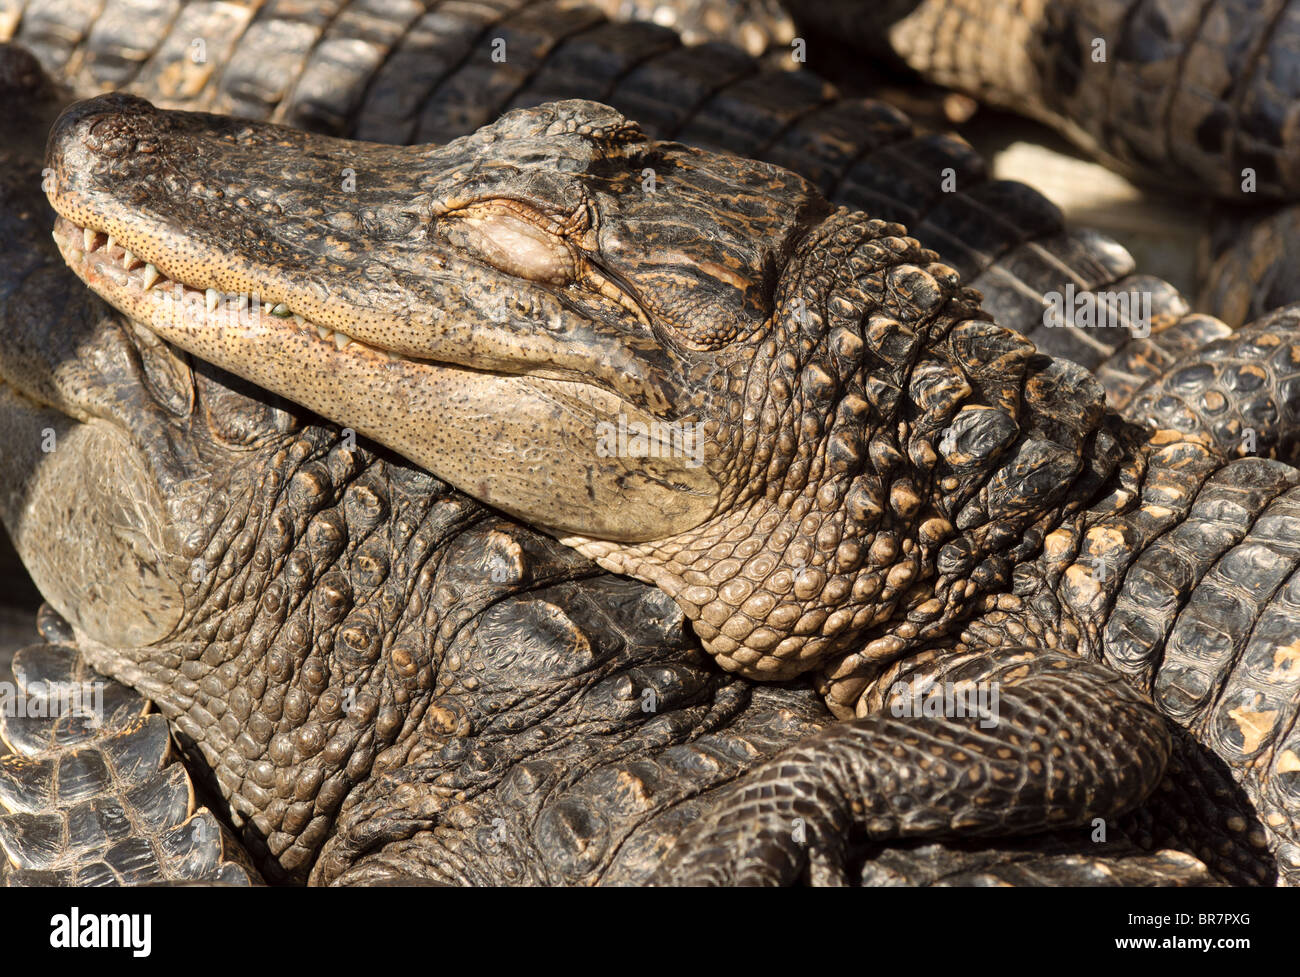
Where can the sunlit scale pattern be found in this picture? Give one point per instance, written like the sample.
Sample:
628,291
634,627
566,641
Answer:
1028,432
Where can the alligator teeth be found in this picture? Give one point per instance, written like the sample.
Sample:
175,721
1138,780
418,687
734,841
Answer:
280,311
323,332
91,239
210,298
108,245
391,355
151,276
299,320
341,340
129,261
241,301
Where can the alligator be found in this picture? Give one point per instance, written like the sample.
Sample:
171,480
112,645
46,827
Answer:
807,112
338,637
1199,95
883,488
432,71
262,557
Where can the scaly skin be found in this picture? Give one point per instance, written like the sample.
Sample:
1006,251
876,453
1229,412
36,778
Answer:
310,616
1247,262
426,73
99,803
885,476
1244,391
1191,93
244,565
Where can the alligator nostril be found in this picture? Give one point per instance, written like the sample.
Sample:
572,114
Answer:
107,138
108,125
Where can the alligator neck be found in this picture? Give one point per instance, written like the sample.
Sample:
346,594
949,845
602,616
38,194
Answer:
904,453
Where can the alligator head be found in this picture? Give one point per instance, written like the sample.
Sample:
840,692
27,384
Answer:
324,626
688,366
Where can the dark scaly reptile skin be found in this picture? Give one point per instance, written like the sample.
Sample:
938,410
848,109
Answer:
1235,388
1247,262
536,758
1190,92
1008,510
417,72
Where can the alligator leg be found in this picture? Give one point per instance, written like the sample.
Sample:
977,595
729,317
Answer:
1064,743
582,811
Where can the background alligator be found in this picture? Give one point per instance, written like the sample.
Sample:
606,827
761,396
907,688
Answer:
1195,93
955,506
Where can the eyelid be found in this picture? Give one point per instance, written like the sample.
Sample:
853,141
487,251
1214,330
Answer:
506,234
513,244
615,287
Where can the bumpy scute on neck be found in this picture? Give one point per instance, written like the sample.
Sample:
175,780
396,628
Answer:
902,451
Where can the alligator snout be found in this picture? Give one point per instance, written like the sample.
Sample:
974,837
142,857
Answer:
111,125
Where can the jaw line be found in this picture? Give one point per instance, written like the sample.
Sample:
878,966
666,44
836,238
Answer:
468,426
172,307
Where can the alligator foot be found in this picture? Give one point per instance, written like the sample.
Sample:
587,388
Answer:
1063,743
